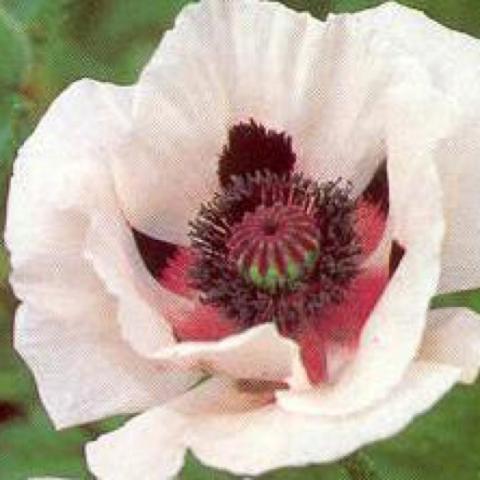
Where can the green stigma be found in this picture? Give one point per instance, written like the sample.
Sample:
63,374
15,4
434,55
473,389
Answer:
274,275
276,247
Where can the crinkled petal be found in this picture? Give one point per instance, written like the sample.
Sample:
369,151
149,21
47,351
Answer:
457,157
255,60
71,250
247,435
451,61
260,353
453,337
143,303
62,224
393,332
369,88
292,70
163,432
85,371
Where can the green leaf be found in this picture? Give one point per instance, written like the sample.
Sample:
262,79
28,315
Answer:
16,53
462,15
24,11
334,471
360,467
14,127
15,386
4,263
15,66
318,8
345,6
195,470
464,298
441,445
32,448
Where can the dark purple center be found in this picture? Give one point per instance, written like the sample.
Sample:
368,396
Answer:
272,245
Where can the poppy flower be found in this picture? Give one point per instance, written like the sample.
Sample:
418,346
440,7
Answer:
244,244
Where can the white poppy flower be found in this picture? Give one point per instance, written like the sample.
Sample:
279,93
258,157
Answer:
335,166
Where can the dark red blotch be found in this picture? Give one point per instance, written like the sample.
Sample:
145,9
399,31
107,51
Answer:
250,148
377,191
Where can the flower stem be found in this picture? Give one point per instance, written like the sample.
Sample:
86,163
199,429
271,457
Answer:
464,298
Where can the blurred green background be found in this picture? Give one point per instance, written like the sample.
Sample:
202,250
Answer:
44,46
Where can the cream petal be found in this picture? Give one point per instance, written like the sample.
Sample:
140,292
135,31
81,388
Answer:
234,431
141,300
60,225
158,434
453,337
56,221
339,123
393,333
408,94
180,115
458,163
260,353
450,60
360,58
85,371
323,83
47,215
71,142
249,59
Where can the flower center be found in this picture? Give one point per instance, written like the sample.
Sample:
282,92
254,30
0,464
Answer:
274,247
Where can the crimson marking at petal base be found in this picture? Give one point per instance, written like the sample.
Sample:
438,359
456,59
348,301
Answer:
251,147
313,352
339,324
370,225
174,275
397,252
377,191
204,324
267,216
372,210
155,253
217,277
